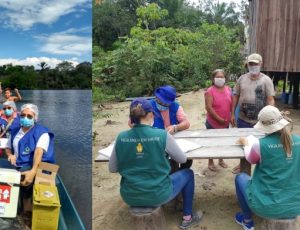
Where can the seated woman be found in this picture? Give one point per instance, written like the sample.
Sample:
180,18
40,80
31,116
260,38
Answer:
139,155
27,147
274,190
170,116
10,119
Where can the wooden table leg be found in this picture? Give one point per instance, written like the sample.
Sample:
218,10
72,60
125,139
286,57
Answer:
245,166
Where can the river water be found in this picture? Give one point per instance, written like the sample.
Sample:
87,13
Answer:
68,114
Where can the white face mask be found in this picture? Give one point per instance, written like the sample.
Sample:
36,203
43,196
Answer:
254,69
219,82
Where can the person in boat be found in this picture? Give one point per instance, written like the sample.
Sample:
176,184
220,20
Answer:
10,119
9,97
218,99
139,155
27,147
273,192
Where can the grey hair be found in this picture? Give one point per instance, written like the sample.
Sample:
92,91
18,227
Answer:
32,108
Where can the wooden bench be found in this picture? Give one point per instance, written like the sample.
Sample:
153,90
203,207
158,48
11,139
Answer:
148,218
279,224
214,144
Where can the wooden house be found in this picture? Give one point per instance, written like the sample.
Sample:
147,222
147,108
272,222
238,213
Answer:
274,32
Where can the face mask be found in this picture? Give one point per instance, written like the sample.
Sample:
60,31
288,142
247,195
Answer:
254,69
8,112
25,122
161,107
220,82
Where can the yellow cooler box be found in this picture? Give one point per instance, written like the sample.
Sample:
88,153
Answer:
46,207
9,192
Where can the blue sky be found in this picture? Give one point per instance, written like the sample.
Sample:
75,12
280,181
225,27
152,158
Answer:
32,31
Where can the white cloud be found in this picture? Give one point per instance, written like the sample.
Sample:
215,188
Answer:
35,61
67,43
24,14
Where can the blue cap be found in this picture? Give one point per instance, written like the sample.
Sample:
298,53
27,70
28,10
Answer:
146,105
166,94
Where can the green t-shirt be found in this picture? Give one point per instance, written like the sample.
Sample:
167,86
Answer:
274,191
143,165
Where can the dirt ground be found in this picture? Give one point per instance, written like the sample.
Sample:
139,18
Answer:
214,192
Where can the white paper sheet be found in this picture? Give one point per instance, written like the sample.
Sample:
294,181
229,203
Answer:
3,143
106,152
185,146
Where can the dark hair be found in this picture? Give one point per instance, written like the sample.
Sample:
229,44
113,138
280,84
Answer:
136,113
7,89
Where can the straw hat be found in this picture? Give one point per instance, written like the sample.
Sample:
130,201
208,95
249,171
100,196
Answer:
270,120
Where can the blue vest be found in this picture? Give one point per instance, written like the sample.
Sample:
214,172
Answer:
159,122
27,145
15,125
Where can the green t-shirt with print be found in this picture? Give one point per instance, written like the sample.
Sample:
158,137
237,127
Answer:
143,165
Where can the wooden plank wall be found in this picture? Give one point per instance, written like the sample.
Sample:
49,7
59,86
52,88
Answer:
274,29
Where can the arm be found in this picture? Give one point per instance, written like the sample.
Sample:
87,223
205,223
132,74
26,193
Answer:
10,157
30,174
270,100
113,162
251,149
174,150
211,111
183,122
18,97
41,147
235,99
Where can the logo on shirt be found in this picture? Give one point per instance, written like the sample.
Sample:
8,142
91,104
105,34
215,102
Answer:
26,151
139,148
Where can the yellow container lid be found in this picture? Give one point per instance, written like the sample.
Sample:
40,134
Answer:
46,195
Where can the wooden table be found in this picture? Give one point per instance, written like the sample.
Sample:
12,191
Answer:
215,144
219,144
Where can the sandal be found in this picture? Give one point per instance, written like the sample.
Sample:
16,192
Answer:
236,169
223,164
212,168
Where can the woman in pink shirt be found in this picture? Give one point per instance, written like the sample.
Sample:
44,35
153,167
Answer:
218,99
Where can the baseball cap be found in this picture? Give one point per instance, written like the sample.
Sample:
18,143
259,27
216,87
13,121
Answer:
145,104
255,57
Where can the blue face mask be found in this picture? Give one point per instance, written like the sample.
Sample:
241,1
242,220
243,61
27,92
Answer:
161,107
25,122
8,112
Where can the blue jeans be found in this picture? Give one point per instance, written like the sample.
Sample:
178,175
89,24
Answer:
241,182
183,181
243,124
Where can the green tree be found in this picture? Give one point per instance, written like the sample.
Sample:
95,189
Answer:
150,15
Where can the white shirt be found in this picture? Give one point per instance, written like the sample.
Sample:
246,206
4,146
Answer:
43,142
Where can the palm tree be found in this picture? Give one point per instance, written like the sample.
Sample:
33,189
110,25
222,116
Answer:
222,13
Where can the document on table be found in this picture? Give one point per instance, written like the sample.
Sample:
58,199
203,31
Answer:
185,146
106,152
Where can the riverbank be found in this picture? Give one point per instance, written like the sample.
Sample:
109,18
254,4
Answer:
214,192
